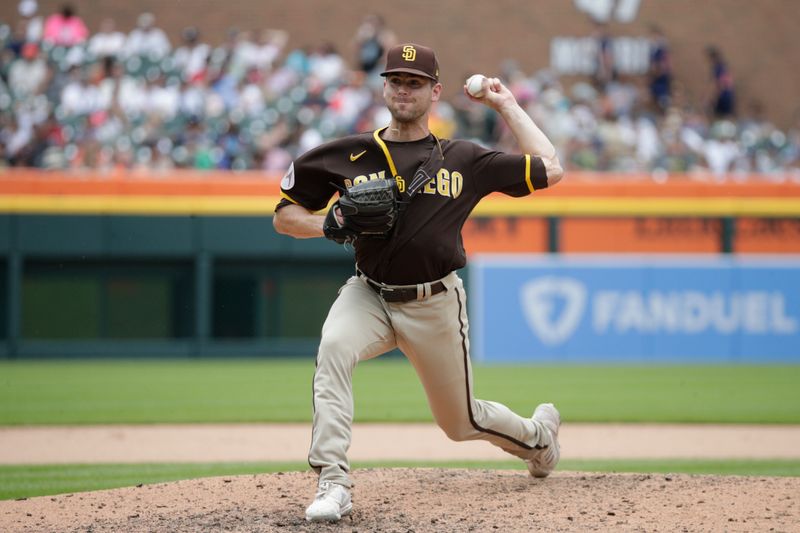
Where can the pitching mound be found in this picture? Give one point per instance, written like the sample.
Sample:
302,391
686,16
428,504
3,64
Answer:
421,500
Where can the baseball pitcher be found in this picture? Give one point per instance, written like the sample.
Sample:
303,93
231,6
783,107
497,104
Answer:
404,196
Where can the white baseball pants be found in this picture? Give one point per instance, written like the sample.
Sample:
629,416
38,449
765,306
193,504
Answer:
433,335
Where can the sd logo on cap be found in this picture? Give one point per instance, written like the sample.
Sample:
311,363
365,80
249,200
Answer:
412,59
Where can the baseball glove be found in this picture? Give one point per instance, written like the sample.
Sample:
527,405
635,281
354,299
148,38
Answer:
367,209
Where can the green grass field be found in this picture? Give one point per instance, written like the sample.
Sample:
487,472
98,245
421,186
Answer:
109,392
206,391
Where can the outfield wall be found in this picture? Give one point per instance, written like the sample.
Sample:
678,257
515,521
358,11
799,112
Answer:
188,264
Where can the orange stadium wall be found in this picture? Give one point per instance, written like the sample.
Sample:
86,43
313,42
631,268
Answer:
631,235
757,37
589,213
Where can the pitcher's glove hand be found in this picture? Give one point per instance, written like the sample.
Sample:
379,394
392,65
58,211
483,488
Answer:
368,209
334,230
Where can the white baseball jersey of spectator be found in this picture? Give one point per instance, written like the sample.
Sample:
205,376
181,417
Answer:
251,99
192,100
107,42
147,41
192,59
132,96
81,98
15,137
328,67
34,24
26,76
266,52
163,100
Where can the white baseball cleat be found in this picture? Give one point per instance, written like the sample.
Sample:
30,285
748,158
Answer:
331,503
544,460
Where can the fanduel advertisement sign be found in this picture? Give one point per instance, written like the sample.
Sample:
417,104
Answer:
533,308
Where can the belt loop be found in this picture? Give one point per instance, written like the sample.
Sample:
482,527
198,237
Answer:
426,291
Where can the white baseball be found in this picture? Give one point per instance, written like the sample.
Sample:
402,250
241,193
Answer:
475,85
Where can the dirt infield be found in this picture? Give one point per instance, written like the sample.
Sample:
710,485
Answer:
415,499
428,500
377,442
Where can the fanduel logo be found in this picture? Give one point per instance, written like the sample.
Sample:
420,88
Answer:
541,300
692,312
555,306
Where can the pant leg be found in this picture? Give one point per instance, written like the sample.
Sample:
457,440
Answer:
433,334
357,328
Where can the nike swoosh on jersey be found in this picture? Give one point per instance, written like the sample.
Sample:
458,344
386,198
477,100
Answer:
354,157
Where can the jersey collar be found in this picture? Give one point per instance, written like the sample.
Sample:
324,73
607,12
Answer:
377,136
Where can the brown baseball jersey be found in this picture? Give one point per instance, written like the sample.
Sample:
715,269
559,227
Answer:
425,244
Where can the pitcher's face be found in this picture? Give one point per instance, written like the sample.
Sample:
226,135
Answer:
409,97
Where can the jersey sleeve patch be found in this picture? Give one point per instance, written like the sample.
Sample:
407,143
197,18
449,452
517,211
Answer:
288,179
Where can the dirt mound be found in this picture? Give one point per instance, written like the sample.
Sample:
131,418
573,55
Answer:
427,500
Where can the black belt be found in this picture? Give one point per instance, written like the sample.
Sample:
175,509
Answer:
399,294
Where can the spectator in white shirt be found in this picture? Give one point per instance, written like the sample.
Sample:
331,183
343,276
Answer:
147,40
243,54
132,96
107,42
72,101
270,46
80,97
14,137
327,65
192,98
163,99
27,75
34,24
251,95
191,58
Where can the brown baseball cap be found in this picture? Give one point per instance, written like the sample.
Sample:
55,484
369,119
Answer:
413,59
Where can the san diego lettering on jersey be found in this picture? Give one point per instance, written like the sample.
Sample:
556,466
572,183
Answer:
446,183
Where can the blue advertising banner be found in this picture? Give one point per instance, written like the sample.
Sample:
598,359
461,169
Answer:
634,309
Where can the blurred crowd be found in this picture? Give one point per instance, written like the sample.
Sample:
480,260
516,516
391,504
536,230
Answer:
107,100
